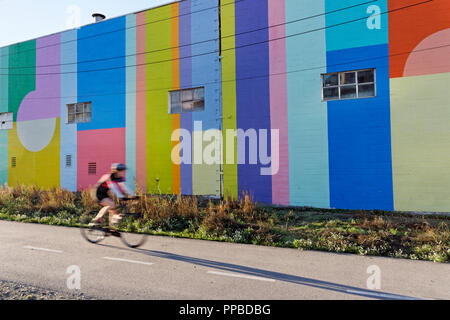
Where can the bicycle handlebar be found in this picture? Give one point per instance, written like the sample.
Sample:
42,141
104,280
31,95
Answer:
130,199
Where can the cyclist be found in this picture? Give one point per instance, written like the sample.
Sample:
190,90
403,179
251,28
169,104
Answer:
110,185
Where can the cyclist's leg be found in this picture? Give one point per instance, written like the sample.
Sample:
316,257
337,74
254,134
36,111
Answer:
108,206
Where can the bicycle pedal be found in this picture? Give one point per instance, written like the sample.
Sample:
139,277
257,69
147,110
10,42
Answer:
115,233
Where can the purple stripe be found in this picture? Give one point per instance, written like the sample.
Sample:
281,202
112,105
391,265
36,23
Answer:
37,104
185,82
253,99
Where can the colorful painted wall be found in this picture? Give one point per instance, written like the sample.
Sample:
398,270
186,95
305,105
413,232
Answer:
388,152
260,62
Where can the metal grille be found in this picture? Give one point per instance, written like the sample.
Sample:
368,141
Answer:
68,160
92,168
13,162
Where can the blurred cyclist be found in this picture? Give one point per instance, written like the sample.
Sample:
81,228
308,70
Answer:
110,185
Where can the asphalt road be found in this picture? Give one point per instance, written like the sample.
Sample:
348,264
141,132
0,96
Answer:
167,268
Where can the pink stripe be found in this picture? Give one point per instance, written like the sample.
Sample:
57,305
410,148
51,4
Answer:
278,100
141,96
102,146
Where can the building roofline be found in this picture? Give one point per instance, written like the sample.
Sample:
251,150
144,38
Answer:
89,24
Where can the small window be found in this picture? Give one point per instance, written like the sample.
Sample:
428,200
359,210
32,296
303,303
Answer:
187,100
79,112
6,121
349,85
68,160
13,162
92,168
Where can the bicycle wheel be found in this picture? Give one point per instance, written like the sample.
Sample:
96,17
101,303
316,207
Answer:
131,234
91,234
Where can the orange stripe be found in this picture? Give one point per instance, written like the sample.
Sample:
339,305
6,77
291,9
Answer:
176,179
141,167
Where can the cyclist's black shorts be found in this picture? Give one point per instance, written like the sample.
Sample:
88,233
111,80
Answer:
102,193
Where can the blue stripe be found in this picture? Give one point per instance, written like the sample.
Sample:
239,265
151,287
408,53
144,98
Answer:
68,177
130,131
106,88
360,136
185,82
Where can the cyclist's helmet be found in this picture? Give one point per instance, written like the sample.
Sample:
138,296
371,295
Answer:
115,167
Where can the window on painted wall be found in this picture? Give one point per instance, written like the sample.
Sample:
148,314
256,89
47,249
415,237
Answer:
356,84
79,112
187,100
6,121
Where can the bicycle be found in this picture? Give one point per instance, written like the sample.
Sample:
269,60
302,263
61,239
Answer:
130,222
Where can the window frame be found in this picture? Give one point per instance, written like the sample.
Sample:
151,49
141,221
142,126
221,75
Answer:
193,101
75,105
357,84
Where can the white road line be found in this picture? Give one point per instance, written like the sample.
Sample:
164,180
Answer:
43,249
130,261
381,295
241,276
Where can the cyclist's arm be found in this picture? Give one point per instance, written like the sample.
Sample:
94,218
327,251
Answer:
125,190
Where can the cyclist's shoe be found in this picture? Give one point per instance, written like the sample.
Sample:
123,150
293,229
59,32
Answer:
96,223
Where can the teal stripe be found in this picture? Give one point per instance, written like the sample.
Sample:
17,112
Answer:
4,108
342,34
307,115
130,131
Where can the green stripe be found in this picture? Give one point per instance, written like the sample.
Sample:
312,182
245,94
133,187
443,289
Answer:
159,122
21,81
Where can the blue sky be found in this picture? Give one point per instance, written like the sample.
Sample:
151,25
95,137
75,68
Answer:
22,20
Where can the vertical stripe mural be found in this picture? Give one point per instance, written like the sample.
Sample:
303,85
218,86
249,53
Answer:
278,99
307,115
260,63
420,102
253,93
159,82
206,72
230,178
359,129
130,132
4,69
141,102
102,81
185,52
68,96
176,185
36,138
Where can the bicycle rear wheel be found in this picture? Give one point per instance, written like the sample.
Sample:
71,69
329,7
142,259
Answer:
132,235
92,234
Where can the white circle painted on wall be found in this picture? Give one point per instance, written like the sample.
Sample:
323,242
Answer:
35,135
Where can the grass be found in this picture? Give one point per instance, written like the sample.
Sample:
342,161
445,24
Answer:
378,233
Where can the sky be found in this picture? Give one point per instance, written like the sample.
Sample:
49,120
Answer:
22,20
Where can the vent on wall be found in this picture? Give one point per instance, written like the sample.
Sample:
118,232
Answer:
13,162
68,160
92,168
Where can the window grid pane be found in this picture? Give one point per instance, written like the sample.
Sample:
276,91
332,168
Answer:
187,100
79,112
349,85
